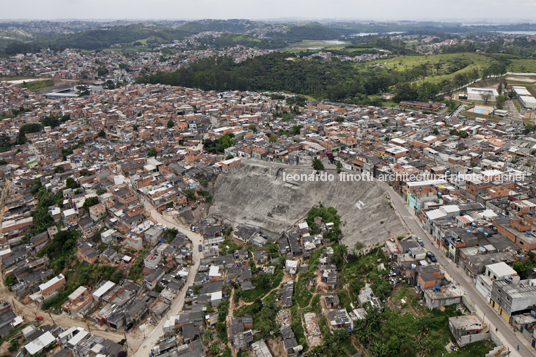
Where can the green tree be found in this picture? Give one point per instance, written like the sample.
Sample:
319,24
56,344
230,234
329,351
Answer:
152,152
71,183
273,138
253,128
435,131
453,132
59,170
190,194
90,202
102,134
229,157
318,165
463,134
102,71
522,269
501,99
214,349
170,124
339,167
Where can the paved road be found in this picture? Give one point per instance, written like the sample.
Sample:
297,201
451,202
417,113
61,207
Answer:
152,339
511,339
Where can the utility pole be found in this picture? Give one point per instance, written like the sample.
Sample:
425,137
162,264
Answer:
126,342
49,314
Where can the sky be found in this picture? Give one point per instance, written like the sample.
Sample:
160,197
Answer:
445,10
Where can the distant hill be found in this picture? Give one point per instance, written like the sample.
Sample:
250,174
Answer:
313,31
100,39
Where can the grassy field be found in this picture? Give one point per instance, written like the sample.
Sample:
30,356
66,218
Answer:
445,66
440,64
38,85
308,44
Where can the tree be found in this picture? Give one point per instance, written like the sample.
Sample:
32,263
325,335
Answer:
453,132
90,202
339,167
435,131
170,124
152,152
511,94
135,127
59,170
102,71
253,128
82,90
214,349
190,194
102,133
273,138
486,96
522,269
339,119
501,99
463,134
71,183
318,165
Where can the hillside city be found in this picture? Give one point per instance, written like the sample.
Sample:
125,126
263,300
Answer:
138,217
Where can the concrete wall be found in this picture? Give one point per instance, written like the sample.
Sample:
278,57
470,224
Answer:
467,339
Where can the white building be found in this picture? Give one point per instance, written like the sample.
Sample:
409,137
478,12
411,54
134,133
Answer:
479,94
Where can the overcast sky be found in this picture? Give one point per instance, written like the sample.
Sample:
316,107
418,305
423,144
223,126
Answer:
472,10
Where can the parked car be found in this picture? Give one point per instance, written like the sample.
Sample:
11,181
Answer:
432,257
129,326
418,239
39,318
200,247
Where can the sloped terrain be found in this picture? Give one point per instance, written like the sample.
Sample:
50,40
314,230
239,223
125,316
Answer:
256,195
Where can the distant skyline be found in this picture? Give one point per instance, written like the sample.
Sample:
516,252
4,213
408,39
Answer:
472,11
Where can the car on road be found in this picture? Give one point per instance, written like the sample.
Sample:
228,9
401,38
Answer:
39,318
432,257
169,210
200,247
418,239
129,326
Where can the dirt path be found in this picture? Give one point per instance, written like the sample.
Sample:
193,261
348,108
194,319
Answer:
3,202
229,321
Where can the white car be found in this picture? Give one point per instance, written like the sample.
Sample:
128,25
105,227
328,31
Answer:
169,210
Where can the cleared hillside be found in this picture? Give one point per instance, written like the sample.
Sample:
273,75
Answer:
256,195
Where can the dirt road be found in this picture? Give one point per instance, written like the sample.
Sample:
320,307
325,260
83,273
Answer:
150,341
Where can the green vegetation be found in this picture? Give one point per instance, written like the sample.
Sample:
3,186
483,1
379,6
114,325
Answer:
38,85
221,325
525,267
70,151
219,145
264,313
297,327
327,215
206,194
317,165
152,152
229,242
90,202
263,284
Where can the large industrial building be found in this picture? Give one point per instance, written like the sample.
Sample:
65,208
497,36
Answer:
525,97
479,94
